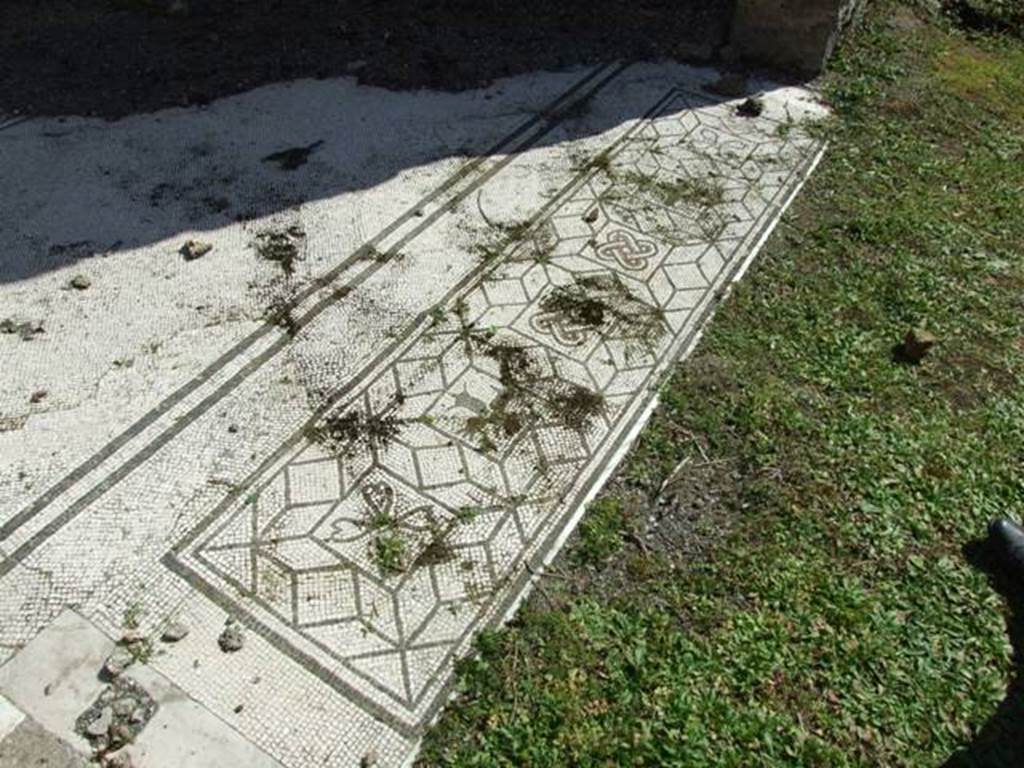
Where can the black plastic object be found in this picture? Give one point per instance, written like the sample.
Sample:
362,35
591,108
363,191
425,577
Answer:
1009,537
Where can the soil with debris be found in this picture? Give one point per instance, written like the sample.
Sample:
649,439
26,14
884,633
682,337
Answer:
112,58
117,716
670,521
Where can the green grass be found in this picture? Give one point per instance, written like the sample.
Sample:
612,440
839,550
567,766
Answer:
389,549
838,622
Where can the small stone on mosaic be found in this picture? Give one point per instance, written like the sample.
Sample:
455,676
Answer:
194,249
131,636
118,662
174,632
232,638
80,282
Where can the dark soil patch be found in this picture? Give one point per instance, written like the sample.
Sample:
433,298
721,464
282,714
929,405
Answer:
112,58
988,15
664,527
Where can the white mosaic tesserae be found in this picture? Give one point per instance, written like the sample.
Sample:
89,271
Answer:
365,417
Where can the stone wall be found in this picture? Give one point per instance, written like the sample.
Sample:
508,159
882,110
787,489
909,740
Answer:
795,35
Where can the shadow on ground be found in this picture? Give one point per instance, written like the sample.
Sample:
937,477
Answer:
112,58
78,188
1000,743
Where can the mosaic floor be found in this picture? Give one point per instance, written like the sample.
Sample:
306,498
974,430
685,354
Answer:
362,452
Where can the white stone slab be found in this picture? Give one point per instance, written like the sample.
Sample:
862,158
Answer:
10,717
182,733
56,676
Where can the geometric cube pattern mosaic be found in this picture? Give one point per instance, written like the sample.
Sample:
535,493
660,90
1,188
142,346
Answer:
373,558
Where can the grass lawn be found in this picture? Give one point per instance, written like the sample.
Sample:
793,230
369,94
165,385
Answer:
806,591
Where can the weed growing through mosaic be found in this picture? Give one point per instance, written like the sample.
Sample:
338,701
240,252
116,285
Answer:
437,552
524,239
841,618
578,406
604,302
528,395
437,316
141,649
389,549
280,247
700,193
353,430
468,514
131,618
380,518
280,311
